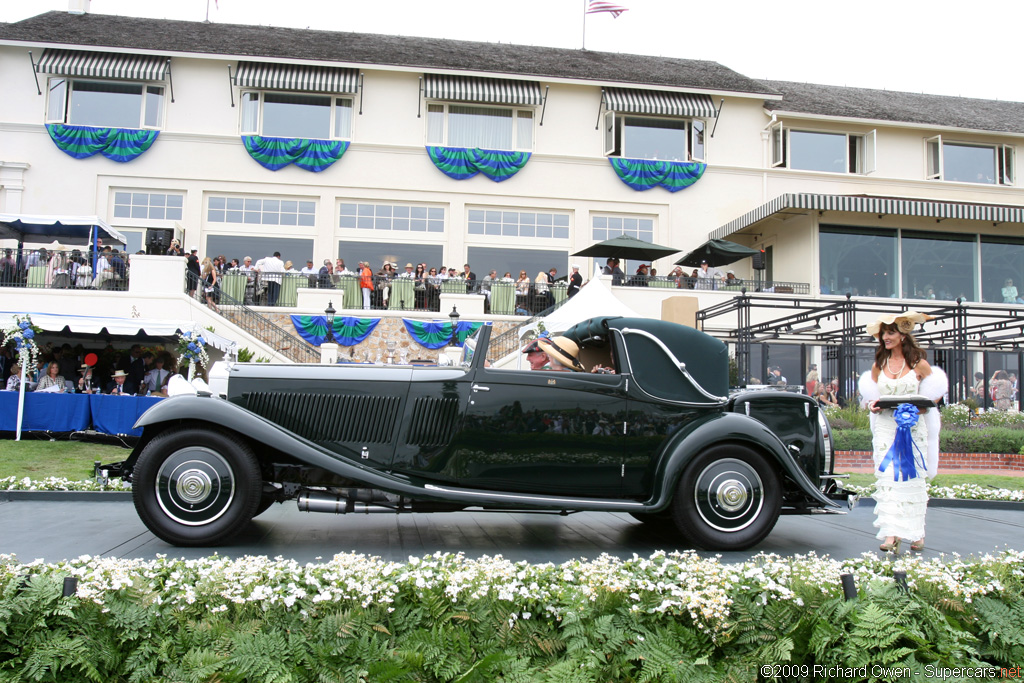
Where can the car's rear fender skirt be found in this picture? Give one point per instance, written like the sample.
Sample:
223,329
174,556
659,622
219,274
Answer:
724,428
225,416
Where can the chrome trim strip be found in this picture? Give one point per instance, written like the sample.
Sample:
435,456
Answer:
546,500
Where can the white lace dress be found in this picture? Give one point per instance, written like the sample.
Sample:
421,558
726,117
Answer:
900,506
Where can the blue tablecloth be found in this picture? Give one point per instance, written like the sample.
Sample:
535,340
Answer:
45,412
117,414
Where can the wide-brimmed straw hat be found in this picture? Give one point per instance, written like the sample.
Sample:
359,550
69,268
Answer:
905,322
561,350
120,373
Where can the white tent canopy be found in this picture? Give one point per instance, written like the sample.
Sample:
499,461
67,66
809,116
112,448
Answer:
74,230
594,299
128,327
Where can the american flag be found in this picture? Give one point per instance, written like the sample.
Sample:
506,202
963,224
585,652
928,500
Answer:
596,6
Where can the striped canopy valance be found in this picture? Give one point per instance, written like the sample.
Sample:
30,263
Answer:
631,101
103,65
297,77
880,206
490,90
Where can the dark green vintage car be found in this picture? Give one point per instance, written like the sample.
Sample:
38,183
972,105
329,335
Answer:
661,440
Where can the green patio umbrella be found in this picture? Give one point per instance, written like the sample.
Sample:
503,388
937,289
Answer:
626,247
716,253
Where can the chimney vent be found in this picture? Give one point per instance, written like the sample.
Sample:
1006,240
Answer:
78,6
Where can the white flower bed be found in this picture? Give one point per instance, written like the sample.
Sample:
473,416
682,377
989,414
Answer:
670,583
61,484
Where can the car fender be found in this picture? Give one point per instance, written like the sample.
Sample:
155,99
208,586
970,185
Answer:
716,429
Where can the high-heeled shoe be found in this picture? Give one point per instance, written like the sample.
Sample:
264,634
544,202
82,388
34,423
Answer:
891,546
917,546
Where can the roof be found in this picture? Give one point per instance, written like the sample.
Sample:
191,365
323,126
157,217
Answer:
893,206
267,42
888,105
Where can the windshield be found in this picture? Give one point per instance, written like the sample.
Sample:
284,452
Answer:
469,347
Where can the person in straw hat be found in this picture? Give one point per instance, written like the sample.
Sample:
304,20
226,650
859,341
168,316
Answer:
563,352
905,439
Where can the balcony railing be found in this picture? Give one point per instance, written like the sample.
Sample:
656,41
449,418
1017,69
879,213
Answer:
396,294
63,269
723,285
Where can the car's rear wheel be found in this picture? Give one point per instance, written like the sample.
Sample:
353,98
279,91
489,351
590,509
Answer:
196,486
728,498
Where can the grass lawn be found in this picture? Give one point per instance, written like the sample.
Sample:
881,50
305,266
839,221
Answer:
994,480
68,459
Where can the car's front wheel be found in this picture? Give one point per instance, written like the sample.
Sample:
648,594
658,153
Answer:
728,498
196,486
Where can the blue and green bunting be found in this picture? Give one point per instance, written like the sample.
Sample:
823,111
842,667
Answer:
116,144
643,174
435,334
309,155
347,331
461,163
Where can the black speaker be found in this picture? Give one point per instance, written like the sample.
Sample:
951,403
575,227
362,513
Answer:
758,260
157,241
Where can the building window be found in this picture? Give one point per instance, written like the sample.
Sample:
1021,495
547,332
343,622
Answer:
107,104
1002,267
296,115
939,266
857,261
806,150
400,217
646,137
518,224
607,227
148,205
533,261
969,163
485,127
258,211
897,264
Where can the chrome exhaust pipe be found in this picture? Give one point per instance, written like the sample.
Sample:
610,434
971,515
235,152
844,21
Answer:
322,501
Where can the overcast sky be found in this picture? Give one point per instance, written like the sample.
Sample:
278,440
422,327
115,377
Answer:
941,47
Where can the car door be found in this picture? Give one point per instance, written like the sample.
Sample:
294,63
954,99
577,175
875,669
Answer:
544,432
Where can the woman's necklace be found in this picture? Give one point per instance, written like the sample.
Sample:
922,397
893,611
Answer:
888,364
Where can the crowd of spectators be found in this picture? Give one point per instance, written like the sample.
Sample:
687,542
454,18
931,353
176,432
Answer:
64,369
61,268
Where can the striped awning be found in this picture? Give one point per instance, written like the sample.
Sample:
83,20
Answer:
304,78
889,206
474,89
103,65
659,102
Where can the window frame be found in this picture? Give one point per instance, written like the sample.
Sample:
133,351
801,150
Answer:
615,137
862,162
68,89
1004,156
332,97
516,110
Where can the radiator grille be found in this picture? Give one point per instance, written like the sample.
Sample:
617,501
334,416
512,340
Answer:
330,417
434,421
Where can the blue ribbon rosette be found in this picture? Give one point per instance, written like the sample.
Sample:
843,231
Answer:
901,453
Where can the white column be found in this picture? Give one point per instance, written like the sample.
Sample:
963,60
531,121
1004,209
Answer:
328,354
12,179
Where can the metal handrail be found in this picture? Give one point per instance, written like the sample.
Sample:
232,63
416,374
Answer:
508,341
261,327
67,268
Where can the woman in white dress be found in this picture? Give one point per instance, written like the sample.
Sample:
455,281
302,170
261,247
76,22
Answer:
900,369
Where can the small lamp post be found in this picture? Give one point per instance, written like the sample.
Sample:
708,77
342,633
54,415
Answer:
454,317
329,312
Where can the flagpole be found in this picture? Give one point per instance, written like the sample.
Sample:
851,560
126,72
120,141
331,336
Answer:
207,11
584,24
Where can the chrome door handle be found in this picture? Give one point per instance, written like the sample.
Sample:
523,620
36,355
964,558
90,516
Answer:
477,387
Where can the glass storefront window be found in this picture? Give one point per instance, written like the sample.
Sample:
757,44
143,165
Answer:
939,266
1002,269
857,261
